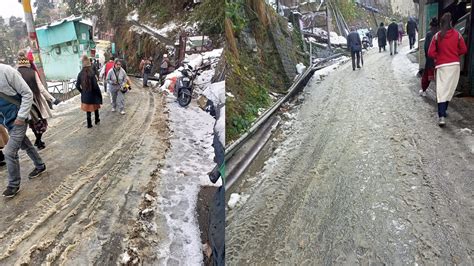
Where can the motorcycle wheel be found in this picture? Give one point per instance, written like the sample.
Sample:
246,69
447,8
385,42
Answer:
184,99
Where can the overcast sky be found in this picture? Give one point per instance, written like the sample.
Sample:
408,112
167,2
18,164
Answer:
12,8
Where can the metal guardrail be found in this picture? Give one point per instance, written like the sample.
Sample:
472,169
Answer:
295,88
63,91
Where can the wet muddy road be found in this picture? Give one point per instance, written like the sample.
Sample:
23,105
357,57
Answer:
363,176
85,208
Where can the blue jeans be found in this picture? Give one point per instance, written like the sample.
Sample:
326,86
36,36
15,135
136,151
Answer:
442,108
18,140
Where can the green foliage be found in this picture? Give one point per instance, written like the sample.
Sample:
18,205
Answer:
234,10
348,9
210,17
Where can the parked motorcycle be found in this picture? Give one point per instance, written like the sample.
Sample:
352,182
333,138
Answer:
184,85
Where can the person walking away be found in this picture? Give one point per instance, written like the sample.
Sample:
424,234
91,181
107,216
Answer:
95,69
117,78
354,45
16,100
165,63
40,97
147,67
400,32
91,97
382,37
105,70
3,141
412,29
446,47
392,37
428,73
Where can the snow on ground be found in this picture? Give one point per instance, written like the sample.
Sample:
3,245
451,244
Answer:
133,16
335,38
320,74
187,163
196,60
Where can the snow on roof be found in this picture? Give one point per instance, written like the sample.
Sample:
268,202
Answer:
68,19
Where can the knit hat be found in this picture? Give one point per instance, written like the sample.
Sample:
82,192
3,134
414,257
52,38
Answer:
86,62
23,60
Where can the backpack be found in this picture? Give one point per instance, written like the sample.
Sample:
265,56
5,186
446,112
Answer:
148,68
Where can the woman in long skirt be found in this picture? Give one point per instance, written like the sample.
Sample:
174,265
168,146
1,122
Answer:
446,48
91,97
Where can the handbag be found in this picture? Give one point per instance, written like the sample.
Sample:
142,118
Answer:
35,114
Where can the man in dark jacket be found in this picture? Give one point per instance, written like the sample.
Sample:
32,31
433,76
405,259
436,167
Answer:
412,29
382,37
392,36
16,99
355,46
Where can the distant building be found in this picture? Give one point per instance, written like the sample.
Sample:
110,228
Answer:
62,44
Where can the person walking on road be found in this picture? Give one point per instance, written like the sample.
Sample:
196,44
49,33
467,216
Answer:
40,98
412,29
428,72
147,67
16,100
117,77
400,32
165,64
382,37
392,37
91,97
105,71
446,47
355,46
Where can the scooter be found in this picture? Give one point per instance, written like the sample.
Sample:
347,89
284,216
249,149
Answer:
365,43
184,85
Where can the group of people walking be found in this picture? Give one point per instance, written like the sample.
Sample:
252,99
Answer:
443,48
146,67
393,34
24,101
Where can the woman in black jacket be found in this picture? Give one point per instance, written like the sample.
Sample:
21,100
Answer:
91,97
382,37
428,72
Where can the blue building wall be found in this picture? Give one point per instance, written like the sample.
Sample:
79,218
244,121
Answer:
62,46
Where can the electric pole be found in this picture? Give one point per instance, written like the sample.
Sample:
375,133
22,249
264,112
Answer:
30,26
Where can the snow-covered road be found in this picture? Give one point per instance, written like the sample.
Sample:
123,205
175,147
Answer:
362,176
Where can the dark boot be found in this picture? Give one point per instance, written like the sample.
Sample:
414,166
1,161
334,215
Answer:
96,115
2,159
40,143
89,120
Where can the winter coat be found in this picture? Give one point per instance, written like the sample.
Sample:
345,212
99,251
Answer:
429,63
116,79
34,82
90,95
106,68
392,32
353,42
412,28
447,50
382,36
165,63
12,84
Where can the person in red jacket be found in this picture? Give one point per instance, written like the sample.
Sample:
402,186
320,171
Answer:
446,47
105,70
